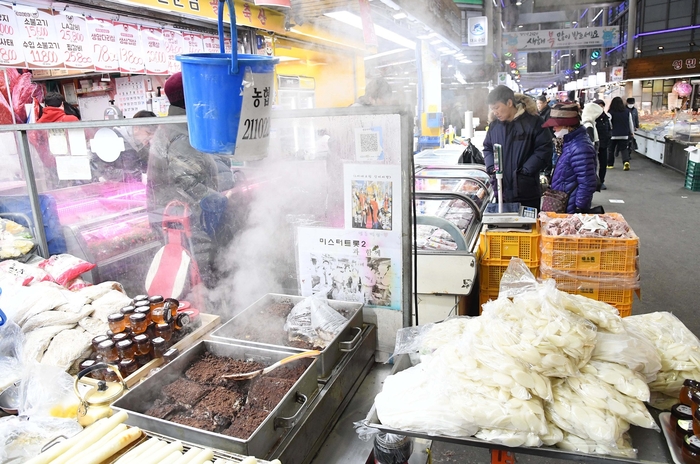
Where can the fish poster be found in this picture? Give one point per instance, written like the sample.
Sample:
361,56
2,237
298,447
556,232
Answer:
350,265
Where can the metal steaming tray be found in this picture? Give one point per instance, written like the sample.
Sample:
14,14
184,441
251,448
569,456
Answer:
256,315
277,424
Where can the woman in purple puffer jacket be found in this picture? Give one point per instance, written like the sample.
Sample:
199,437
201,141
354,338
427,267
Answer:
576,167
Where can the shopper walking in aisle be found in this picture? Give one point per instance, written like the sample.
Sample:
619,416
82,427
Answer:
591,112
633,112
543,108
604,128
575,170
527,146
622,133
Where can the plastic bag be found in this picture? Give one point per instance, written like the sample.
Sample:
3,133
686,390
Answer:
47,391
25,273
517,279
77,284
11,343
409,340
64,267
630,349
21,438
315,321
624,379
509,438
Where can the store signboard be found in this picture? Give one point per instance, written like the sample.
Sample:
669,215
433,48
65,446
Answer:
75,41
284,3
672,64
192,42
174,45
131,55
154,46
617,73
39,40
210,43
105,50
11,51
478,31
557,39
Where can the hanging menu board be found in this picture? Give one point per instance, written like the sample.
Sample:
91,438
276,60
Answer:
73,35
11,51
193,42
105,50
174,45
39,38
154,46
131,58
211,43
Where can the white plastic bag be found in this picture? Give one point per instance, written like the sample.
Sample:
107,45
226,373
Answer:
314,321
47,391
630,349
21,438
11,366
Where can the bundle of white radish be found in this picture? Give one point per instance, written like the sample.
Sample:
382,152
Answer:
677,346
624,379
623,446
631,349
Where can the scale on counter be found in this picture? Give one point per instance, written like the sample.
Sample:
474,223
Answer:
506,214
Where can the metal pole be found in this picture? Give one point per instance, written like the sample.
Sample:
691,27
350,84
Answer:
489,48
407,206
631,27
32,191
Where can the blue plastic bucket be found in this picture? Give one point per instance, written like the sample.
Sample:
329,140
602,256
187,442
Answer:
228,98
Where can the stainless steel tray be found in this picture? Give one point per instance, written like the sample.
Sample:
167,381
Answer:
256,326
277,424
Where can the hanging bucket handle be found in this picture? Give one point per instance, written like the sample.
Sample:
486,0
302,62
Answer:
234,33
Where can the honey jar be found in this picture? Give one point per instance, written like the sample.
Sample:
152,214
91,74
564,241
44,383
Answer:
682,422
97,340
165,331
108,350
694,400
98,374
145,310
689,385
116,323
138,323
151,330
159,347
126,349
110,375
138,298
127,367
143,344
121,336
170,355
691,450
182,320
143,359
128,310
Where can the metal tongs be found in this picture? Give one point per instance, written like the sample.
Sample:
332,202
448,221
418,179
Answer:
288,359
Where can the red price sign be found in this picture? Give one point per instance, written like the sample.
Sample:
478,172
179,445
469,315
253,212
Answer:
131,56
73,34
11,51
211,43
104,50
38,38
154,46
193,43
174,45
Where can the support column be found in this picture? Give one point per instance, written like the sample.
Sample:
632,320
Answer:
631,27
491,39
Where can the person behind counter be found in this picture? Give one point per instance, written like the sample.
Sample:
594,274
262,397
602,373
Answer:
378,92
54,109
527,146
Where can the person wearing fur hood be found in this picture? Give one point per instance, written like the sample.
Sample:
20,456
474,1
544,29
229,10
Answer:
527,147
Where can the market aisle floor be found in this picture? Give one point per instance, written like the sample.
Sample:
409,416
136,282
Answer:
666,217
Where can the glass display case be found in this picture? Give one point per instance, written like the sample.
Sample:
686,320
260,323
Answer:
446,221
463,171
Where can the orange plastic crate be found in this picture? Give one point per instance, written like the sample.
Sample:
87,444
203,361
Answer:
490,275
500,247
589,254
598,286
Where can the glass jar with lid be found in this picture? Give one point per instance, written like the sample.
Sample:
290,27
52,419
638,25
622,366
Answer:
116,323
143,344
97,340
126,349
689,385
681,421
127,367
691,450
128,311
108,350
138,322
160,346
164,331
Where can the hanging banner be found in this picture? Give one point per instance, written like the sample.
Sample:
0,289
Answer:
105,50
11,51
154,46
131,56
367,24
73,33
211,43
40,43
174,45
478,31
192,43
556,39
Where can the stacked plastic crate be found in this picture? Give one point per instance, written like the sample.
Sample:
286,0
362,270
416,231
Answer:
496,248
692,176
602,268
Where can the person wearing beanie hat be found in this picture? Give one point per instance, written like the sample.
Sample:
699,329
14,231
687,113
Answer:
575,171
174,91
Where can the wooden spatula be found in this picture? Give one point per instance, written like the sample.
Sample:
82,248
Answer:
288,359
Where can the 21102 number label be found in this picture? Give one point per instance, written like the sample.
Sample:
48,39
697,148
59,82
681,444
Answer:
256,128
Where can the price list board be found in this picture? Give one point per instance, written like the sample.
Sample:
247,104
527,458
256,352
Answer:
174,45
11,51
39,39
193,42
154,46
75,44
130,51
211,43
105,50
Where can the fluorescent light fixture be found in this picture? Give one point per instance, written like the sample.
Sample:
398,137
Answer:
355,21
396,63
663,31
435,42
448,52
574,22
518,3
594,62
286,58
507,61
390,52
661,47
519,26
596,16
443,49
297,31
400,15
460,78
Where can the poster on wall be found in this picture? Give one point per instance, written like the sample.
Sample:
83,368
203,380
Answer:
131,56
39,39
11,51
192,42
75,43
105,50
210,43
174,45
350,265
617,73
372,197
154,45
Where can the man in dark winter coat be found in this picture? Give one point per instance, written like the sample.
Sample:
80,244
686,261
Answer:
633,111
527,147
543,108
604,128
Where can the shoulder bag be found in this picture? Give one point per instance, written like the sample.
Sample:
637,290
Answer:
555,201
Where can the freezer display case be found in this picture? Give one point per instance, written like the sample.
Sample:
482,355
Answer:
475,172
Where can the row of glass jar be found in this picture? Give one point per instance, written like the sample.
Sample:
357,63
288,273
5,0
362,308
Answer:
685,418
144,311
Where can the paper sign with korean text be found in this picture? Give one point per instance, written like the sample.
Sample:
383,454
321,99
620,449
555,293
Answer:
38,37
75,41
192,43
154,45
11,51
105,49
350,265
617,73
210,43
556,39
372,197
254,127
131,55
174,45
478,31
